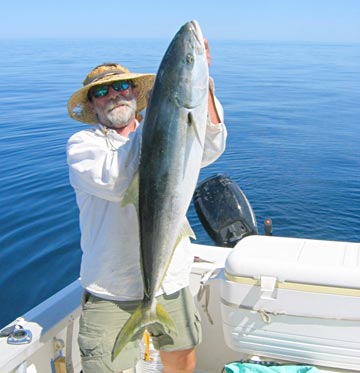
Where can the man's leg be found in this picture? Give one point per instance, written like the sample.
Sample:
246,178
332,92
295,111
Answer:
178,361
100,322
177,350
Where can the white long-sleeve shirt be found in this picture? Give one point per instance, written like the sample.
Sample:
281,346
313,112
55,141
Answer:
102,165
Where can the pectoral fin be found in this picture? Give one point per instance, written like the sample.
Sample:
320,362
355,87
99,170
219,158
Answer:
193,124
186,231
131,195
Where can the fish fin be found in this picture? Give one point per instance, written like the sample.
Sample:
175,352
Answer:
132,326
164,318
138,320
131,195
192,122
185,231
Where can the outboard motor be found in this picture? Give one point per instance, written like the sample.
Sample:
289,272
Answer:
224,210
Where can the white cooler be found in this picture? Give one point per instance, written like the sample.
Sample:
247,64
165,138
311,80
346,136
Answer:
294,299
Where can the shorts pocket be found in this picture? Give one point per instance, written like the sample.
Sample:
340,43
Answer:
90,346
92,356
198,328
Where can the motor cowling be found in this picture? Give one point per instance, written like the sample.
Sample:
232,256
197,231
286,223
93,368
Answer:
224,211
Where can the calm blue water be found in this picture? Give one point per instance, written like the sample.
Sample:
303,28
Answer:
293,117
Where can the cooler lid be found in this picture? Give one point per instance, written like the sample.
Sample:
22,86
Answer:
328,263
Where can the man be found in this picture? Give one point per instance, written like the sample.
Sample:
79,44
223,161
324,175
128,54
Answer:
102,163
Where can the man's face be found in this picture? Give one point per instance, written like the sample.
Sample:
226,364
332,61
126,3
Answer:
116,108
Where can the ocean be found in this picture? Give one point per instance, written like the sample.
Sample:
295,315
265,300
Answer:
292,111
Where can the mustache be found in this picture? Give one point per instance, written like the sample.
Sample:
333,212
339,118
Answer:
116,102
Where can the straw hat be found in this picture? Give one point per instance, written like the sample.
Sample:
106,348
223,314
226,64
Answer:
79,107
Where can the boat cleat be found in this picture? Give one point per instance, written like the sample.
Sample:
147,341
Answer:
16,334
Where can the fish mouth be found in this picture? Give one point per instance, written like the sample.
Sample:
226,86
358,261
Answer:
196,30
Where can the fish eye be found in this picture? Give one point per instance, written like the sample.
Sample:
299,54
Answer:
189,58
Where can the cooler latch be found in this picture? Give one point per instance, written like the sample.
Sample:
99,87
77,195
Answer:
268,287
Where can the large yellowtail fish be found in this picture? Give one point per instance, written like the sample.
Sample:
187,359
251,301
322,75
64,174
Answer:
171,152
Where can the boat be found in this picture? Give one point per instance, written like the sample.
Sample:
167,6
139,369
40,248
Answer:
263,299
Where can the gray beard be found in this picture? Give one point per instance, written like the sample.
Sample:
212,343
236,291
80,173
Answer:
121,118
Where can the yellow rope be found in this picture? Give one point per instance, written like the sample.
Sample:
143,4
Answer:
147,356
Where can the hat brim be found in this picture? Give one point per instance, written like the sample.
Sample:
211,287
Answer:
80,109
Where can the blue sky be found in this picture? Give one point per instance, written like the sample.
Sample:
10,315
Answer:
287,20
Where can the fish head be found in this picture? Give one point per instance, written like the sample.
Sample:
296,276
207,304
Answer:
185,62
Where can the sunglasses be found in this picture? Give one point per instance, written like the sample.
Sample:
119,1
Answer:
103,90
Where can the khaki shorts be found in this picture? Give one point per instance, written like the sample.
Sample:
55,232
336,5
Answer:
101,321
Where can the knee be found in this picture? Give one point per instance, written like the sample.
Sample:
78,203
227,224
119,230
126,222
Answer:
178,361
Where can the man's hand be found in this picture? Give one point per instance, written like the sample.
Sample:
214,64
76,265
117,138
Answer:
207,51
214,116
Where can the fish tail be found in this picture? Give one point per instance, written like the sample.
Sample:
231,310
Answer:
142,316
132,326
164,318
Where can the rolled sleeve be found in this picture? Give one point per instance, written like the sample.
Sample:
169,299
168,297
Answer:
215,138
99,169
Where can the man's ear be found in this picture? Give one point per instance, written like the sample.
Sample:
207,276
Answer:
92,106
